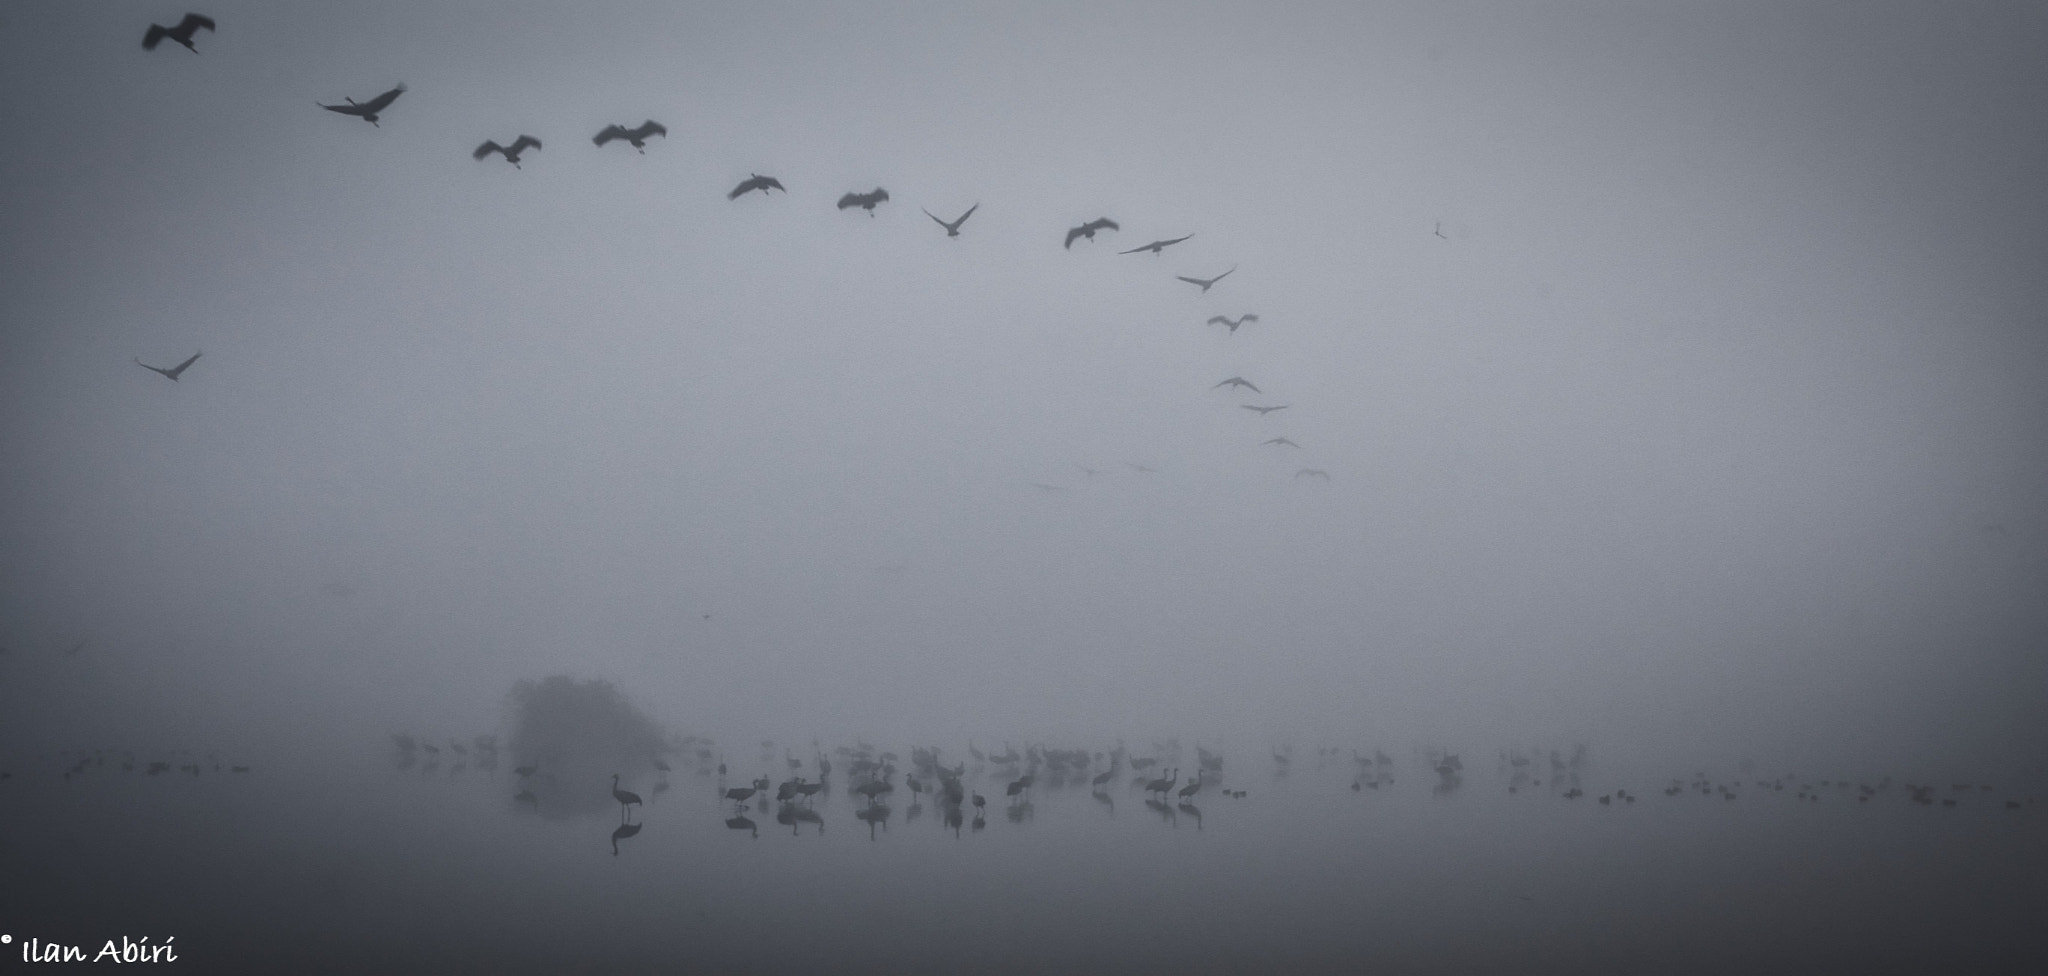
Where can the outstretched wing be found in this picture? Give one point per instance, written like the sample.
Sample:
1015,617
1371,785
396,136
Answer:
650,128
520,144
1103,223
377,104
1194,281
1213,319
156,33
969,213
193,22
849,200
610,132
936,220
1222,276
175,370
344,109
1072,233
745,185
486,149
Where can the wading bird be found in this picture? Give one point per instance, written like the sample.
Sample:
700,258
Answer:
181,33
865,201
1242,319
173,372
638,137
1156,246
1088,229
952,229
1236,381
1206,282
1264,410
626,798
511,152
755,182
367,111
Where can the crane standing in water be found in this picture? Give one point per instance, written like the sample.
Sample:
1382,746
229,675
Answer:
625,797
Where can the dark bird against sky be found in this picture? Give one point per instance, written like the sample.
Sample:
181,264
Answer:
1220,320
953,229
367,111
181,33
1088,229
638,137
1206,282
1236,381
865,201
1156,246
173,372
511,152
755,182
1264,410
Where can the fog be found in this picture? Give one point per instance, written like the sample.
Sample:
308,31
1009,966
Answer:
1663,380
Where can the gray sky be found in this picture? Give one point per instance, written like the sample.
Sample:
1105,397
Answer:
1712,423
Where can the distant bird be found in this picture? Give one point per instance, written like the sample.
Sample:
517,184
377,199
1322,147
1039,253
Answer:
1264,410
511,152
1192,788
1090,472
1141,469
1236,381
1220,320
1313,473
181,33
173,372
1279,442
865,201
1206,282
952,229
638,137
755,182
740,794
1156,246
1440,230
626,798
367,111
1088,230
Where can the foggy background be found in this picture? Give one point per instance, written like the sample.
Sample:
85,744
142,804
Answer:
1709,427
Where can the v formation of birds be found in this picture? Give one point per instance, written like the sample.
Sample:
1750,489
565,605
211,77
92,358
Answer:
372,110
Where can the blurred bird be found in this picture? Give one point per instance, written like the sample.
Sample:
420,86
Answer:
1206,282
1262,411
865,201
181,33
1088,230
1236,381
952,229
637,137
511,152
1156,246
755,182
173,372
1242,319
367,111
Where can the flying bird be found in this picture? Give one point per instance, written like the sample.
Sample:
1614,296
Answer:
1088,229
638,137
865,201
1220,320
1206,282
181,33
511,152
367,110
1279,442
755,182
952,229
173,372
1156,246
1313,473
1236,381
1440,230
1265,410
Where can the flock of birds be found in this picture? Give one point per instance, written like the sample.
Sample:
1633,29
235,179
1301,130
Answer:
872,777
372,110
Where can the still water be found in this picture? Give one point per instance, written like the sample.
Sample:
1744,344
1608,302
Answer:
360,867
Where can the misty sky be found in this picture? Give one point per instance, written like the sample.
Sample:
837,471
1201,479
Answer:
1712,422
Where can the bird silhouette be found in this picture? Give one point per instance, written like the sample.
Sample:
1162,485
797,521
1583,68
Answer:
1236,381
1141,469
952,229
1192,788
1278,442
1440,230
865,201
755,182
1262,411
637,137
1206,282
626,798
511,152
1156,246
1088,230
367,111
181,33
1220,320
1313,473
625,830
742,823
173,372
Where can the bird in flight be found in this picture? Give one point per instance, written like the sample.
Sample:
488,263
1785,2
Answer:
1088,229
865,201
1220,320
367,111
755,182
1265,410
1313,473
1440,230
181,33
1206,282
1236,381
1279,442
511,152
1090,472
173,371
638,137
1156,246
952,229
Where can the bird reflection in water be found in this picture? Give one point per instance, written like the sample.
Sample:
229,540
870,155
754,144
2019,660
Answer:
624,830
873,814
742,823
